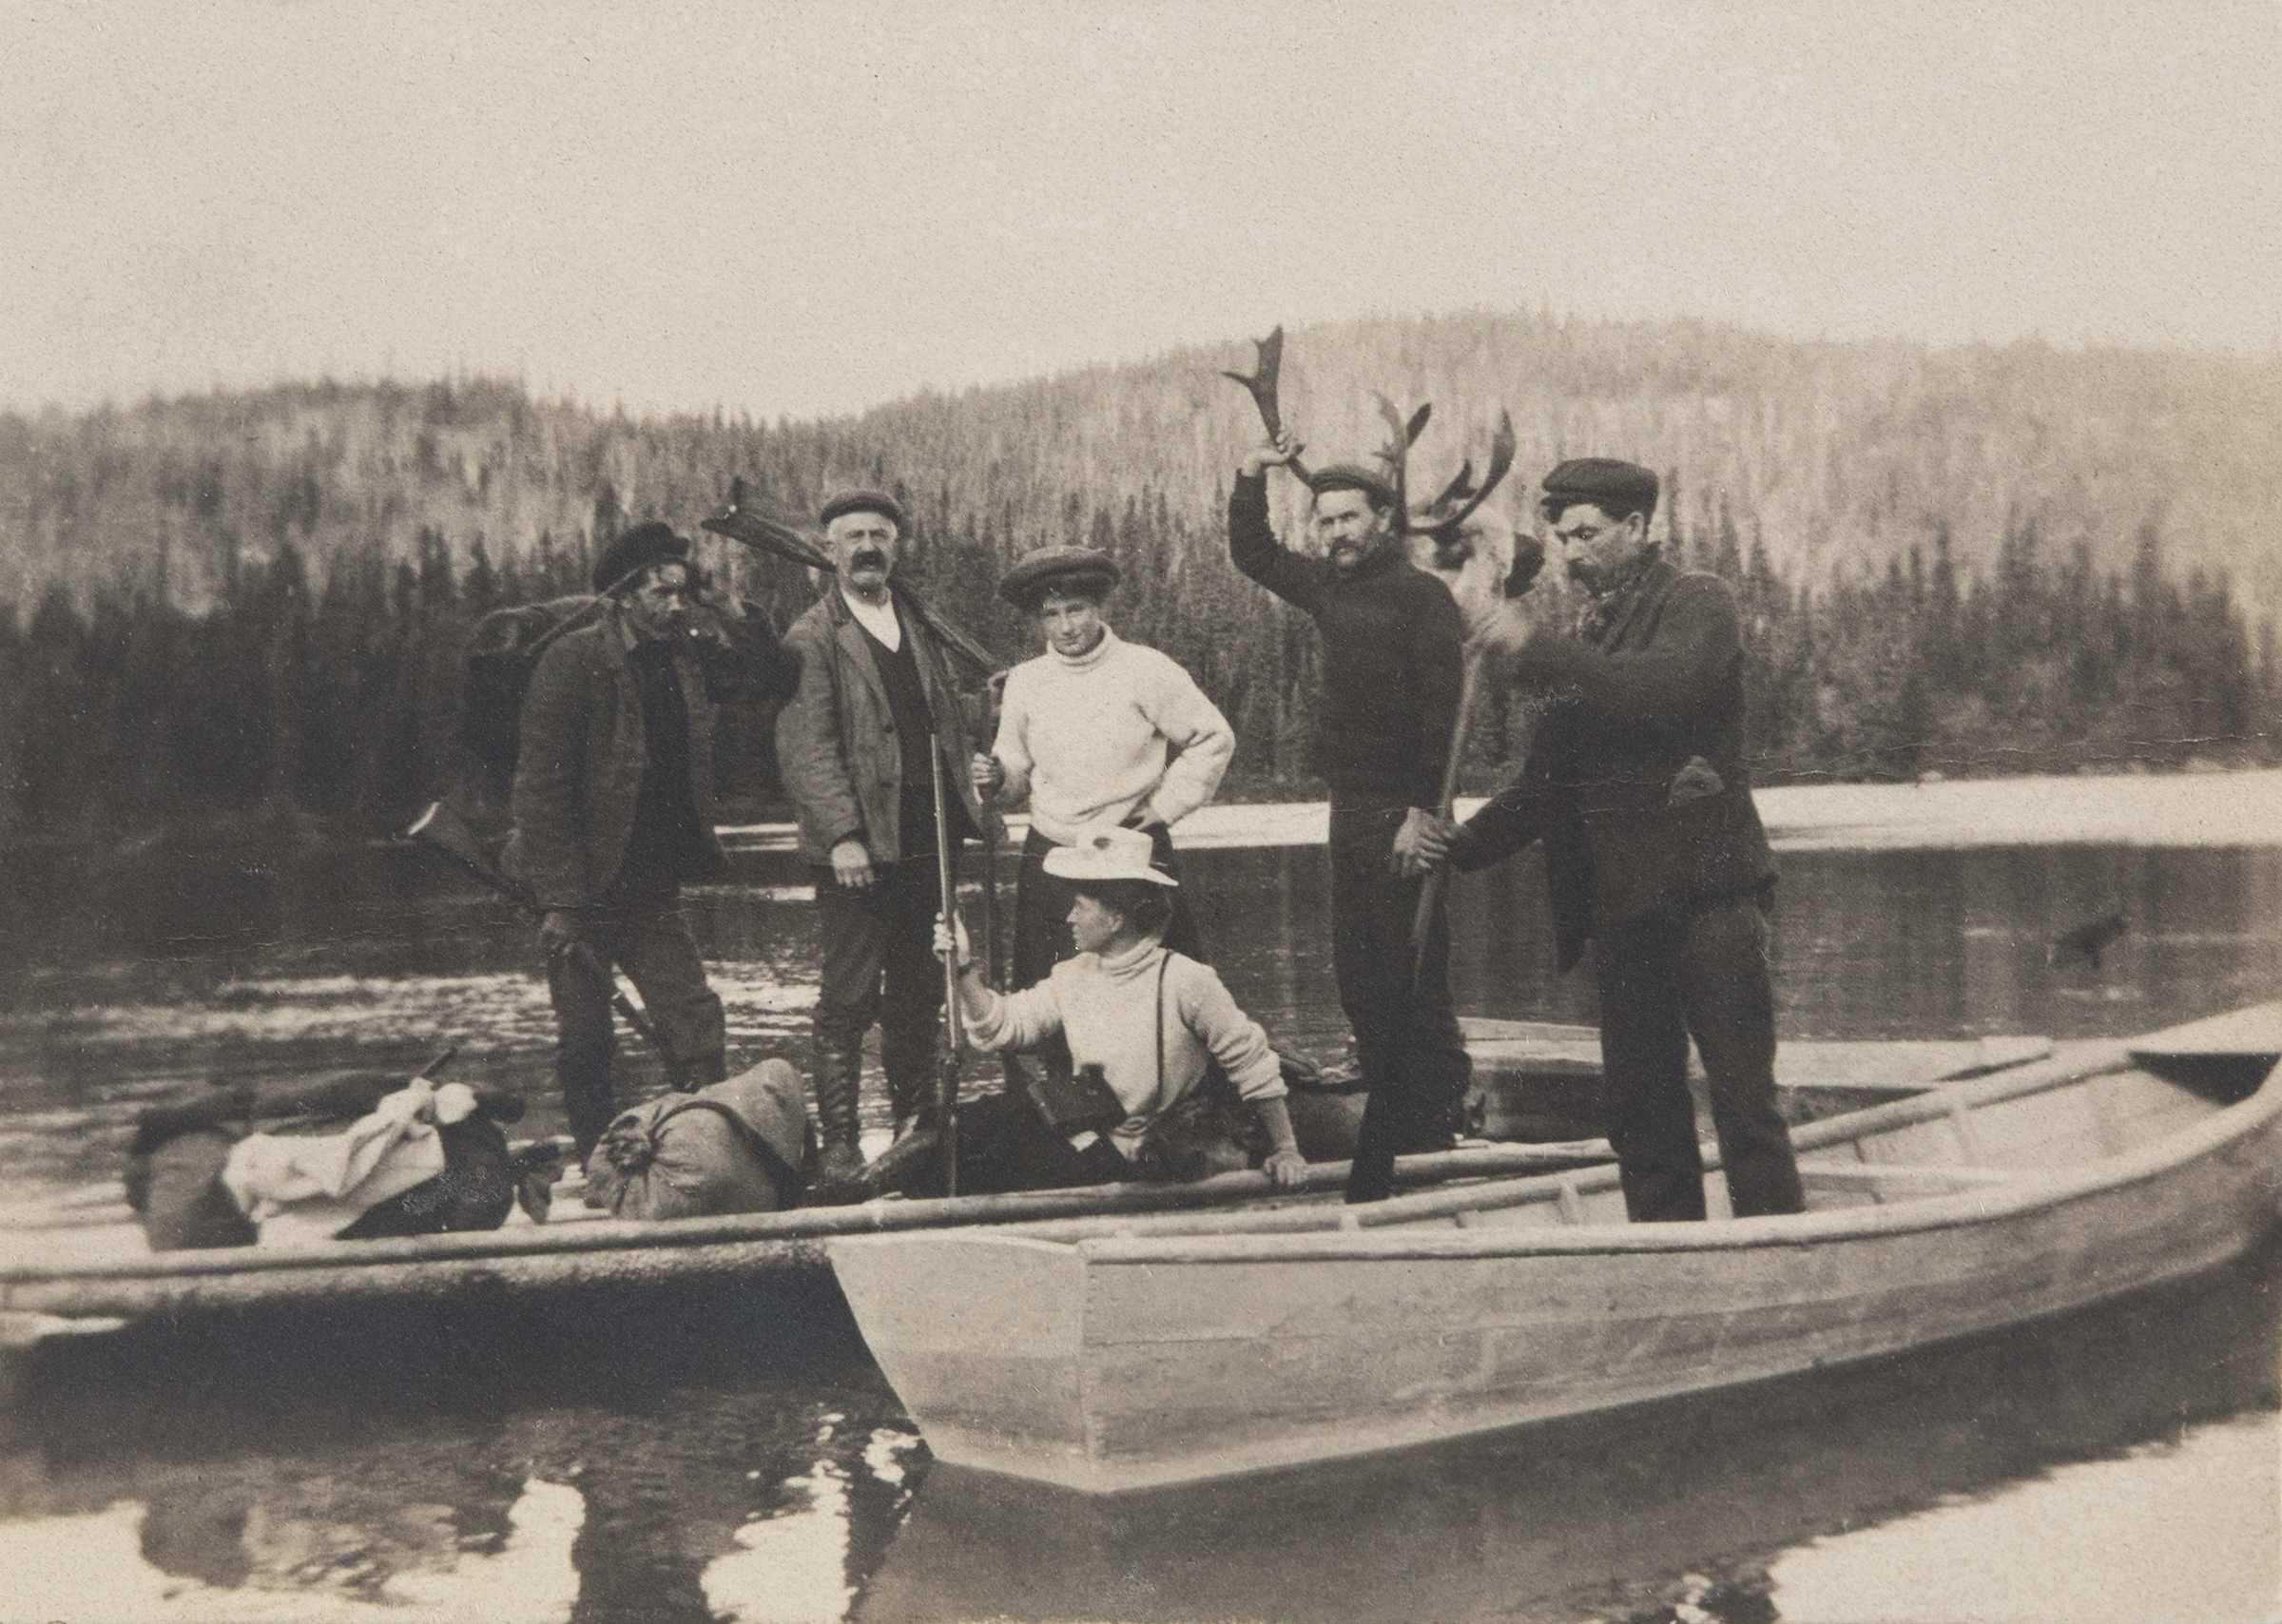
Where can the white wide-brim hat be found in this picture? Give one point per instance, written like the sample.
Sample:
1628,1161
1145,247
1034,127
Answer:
1109,854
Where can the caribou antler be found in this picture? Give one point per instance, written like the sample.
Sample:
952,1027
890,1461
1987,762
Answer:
1261,385
1443,516
1402,437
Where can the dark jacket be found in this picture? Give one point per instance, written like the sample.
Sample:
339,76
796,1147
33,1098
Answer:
1636,779
578,764
837,747
1392,656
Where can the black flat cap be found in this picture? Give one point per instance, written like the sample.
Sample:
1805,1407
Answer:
638,548
864,501
1352,477
1614,487
1045,567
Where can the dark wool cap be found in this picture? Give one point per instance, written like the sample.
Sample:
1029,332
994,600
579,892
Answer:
1615,488
637,549
863,501
1352,477
1026,585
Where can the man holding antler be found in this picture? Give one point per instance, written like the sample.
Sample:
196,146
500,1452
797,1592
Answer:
873,724
1392,658
1637,781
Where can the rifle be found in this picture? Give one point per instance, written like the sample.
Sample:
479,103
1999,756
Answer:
946,1081
442,829
755,526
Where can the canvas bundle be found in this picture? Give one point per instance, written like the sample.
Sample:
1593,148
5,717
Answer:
737,1146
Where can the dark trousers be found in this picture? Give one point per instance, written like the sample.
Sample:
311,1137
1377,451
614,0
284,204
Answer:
1005,1145
647,936
1406,1038
1662,980
879,966
1042,911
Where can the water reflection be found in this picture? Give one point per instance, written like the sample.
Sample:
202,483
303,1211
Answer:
654,1475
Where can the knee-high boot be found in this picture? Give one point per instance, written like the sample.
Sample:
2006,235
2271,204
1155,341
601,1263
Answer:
837,1074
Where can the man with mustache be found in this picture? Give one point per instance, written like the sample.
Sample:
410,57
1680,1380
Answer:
1391,638
613,809
859,746
1637,781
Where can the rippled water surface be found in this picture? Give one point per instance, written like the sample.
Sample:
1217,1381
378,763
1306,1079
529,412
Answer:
759,1468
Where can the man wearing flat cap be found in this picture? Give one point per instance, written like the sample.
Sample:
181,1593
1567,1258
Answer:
1094,733
874,719
613,809
1637,781
1392,658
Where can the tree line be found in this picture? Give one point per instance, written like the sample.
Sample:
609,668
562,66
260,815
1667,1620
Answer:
339,698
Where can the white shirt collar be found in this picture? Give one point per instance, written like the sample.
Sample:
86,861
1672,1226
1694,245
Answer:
878,619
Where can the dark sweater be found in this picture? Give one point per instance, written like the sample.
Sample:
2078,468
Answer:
1392,655
666,842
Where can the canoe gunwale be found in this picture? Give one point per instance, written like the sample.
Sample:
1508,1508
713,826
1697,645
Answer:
805,1224
1394,1230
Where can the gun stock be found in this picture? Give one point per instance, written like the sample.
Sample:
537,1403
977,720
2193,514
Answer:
441,829
753,525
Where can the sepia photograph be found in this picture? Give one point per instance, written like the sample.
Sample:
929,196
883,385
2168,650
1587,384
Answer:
1140,812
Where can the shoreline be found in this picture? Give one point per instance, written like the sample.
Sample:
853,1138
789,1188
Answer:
2171,811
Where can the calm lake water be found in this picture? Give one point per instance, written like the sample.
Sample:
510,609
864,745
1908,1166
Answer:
2120,1464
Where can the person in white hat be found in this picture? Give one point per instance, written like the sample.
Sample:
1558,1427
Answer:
1150,1018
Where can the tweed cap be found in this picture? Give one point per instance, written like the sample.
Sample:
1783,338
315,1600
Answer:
1613,486
637,549
1352,477
1042,569
863,499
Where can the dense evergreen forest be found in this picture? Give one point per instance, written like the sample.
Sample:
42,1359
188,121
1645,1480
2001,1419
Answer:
1967,561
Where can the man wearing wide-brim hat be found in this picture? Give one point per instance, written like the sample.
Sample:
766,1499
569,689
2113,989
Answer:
1094,733
1638,782
874,719
1392,640
613,810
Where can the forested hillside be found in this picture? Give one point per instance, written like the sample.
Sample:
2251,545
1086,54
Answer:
1974,560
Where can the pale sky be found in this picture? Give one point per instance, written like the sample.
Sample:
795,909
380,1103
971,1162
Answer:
794,208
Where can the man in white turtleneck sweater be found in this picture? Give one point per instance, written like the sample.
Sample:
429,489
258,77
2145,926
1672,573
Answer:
1095,733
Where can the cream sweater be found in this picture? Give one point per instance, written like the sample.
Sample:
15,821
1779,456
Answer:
1104,1008
1119,729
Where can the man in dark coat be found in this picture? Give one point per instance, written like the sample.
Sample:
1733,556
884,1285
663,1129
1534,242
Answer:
1637,782
859,746
1392,658
613,809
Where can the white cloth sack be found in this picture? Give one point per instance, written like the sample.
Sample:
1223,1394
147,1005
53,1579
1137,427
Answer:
298,1189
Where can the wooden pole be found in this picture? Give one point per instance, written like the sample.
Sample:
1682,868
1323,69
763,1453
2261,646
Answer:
946,1082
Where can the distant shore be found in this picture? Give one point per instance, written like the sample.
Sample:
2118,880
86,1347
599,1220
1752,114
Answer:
2172,810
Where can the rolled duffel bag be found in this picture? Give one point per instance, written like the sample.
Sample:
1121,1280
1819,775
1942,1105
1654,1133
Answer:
737,1146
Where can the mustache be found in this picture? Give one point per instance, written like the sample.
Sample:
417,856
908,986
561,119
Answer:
868,557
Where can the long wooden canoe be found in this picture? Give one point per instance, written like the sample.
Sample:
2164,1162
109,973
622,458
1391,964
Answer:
1108,1355
61,1273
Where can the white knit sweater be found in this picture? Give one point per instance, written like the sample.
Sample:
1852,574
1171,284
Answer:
1092,740
1104,1007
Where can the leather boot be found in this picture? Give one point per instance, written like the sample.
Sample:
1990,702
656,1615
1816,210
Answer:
908,1165
837,1076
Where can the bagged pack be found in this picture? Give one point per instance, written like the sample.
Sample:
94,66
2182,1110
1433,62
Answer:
180,1147
736,1145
